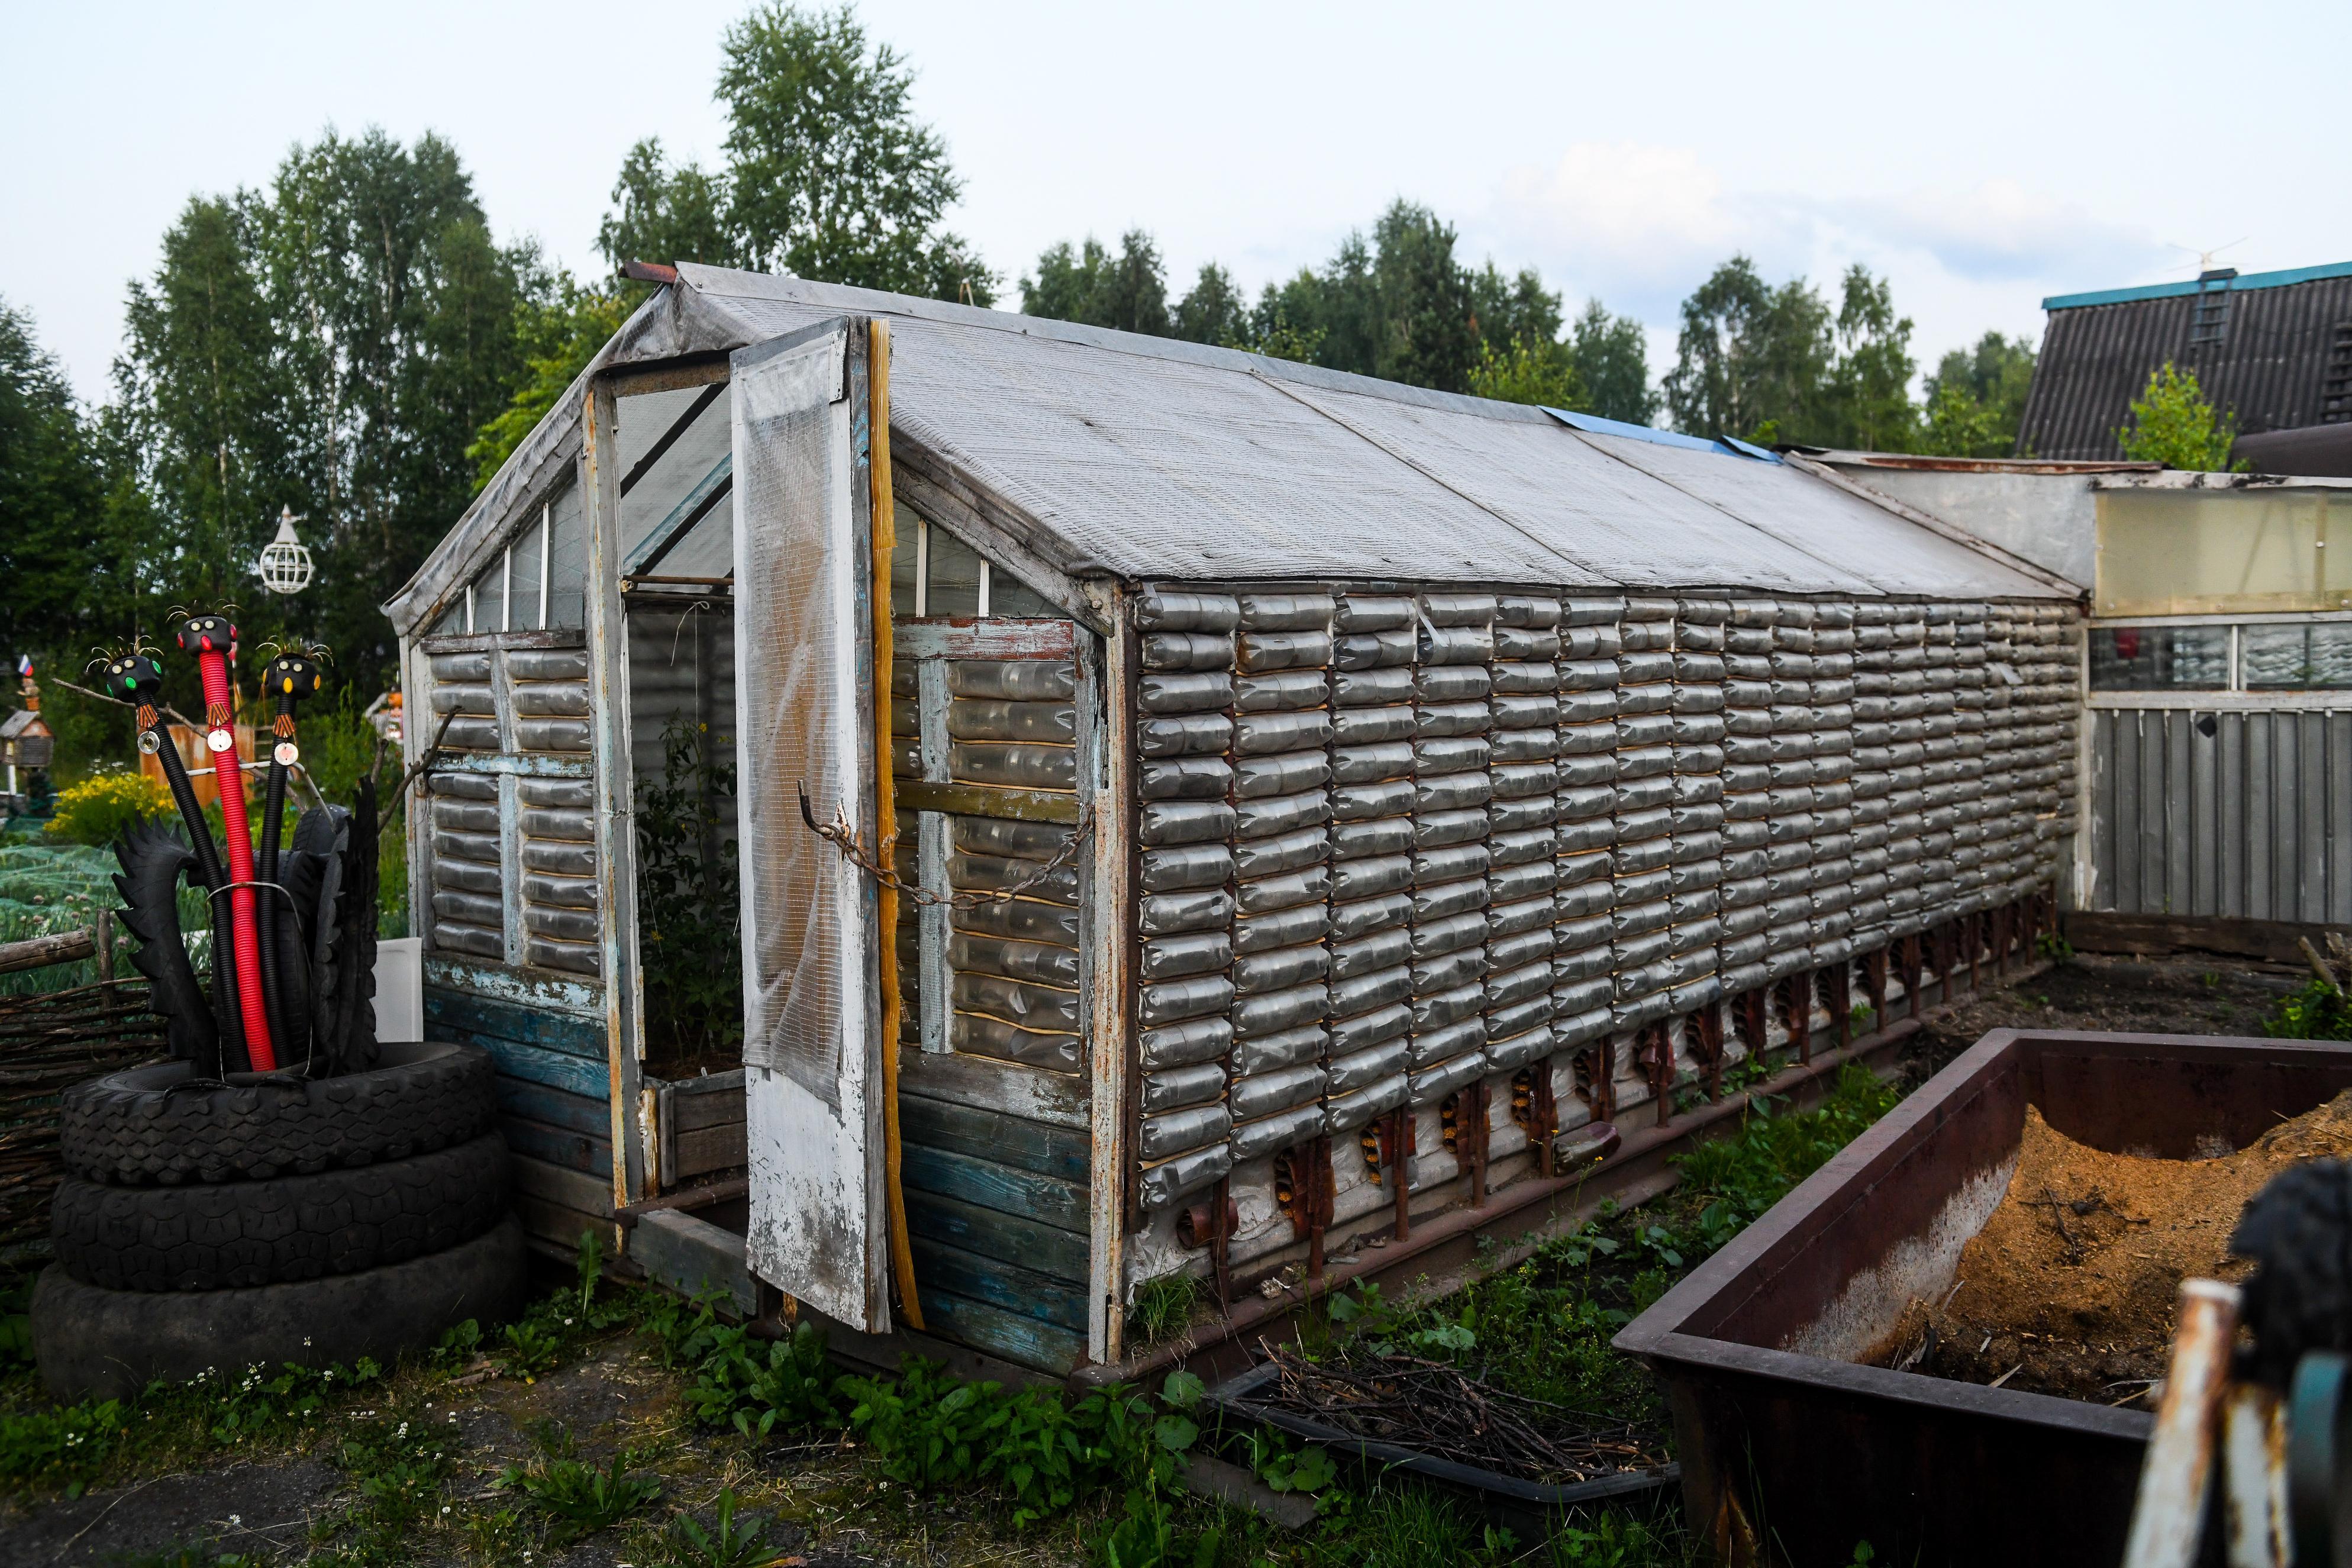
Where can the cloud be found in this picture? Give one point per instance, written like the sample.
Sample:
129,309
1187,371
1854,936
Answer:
2002,231
1636,223
1640,224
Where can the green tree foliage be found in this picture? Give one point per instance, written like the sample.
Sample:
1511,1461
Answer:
1976,399
61,566
668,214
830,174
1213,310
1395,303
560,336
332,344
1516,310
1869,403
1779,364
2172,424
1127,291
1399,307
1529,370
1751,359
1611,355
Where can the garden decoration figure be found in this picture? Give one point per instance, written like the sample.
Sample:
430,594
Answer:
213,642
290,676
285,564
152,859
288,1190
311,906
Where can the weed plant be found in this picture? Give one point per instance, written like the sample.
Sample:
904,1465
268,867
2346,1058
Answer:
1103,1466
2318,1012
579,1499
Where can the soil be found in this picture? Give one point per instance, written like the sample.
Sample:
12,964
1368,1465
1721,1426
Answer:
2071,1288
2128,995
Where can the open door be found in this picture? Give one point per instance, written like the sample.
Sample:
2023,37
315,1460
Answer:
811,943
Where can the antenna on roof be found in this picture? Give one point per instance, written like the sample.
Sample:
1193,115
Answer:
2205,257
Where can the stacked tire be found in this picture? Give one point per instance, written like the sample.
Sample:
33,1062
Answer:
274,1219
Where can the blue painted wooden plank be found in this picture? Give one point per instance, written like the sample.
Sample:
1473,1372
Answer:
1023,1341
557,1146
993,1186
534,988
1001,1236
995,1135
573,1075
1008,1286
537,1102
453,1010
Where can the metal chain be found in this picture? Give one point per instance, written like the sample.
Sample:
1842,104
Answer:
852,845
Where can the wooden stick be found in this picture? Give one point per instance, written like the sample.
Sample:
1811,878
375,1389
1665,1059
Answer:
40,952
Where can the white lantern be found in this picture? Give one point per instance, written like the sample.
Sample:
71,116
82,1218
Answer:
285,564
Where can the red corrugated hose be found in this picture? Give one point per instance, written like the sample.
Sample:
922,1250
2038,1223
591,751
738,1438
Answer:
213,661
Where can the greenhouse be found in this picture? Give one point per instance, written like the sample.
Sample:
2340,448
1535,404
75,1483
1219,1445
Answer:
1193,812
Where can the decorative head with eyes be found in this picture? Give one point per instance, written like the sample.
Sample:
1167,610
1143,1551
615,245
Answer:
134,677
293,676
208,634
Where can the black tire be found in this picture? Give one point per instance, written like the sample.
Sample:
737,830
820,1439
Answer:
241,1233
94,1343
137,1127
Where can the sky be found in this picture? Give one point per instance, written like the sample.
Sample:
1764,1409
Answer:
1980,157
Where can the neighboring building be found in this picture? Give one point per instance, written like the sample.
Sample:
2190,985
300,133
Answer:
2218,761
2273,348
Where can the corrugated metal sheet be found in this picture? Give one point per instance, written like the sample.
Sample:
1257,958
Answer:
2242,814
2269,366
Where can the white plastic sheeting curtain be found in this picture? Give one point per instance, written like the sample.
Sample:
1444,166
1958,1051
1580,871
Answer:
813,1094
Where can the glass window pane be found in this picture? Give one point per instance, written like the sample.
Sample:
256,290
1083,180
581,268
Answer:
955,576
489,595
567,562
902,565
525,616
2160,659
1008,596
2312,657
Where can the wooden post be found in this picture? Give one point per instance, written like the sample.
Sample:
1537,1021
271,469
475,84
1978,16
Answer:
1755,1022
1657,1059
1707,1023
105,939
1874,979
1322,1192
1912,962
1837,994
1397,1155
1796,997
1543,1117
1218,1265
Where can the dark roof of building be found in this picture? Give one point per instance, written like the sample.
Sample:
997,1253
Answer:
2273,348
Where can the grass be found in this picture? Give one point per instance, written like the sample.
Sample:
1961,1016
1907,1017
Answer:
737,1433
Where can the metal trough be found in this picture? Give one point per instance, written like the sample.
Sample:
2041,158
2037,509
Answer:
1790,1454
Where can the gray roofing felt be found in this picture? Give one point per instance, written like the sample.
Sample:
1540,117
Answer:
1152,458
